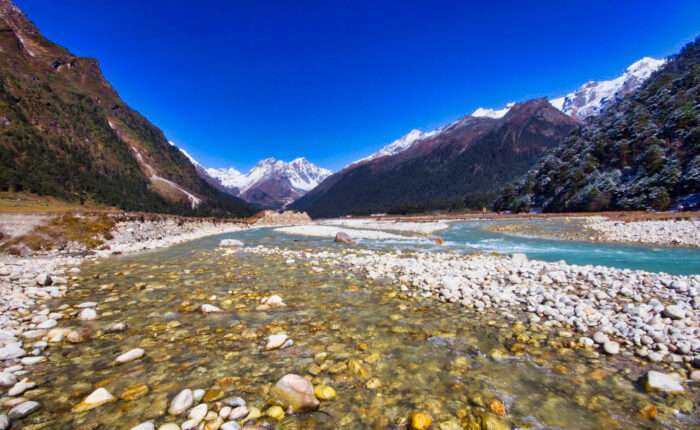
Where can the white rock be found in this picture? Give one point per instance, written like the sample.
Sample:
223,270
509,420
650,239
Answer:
87,314
4,422
20,387
7,379
148,425
230,243
181,402
44,280
131,355
23,409
28,361
207,309
198,412
98,397
674,312
276,341
273,300
169,426
49,323
231,425
666,382
611,347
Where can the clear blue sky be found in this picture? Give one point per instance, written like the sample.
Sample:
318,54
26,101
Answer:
236,81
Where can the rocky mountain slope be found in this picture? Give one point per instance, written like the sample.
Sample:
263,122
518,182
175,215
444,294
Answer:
65,132
270,183
593,97
459,165
642,152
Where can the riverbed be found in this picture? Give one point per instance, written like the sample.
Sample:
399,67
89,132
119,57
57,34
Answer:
387,353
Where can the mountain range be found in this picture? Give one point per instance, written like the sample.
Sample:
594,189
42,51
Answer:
464,163
270,183
64,131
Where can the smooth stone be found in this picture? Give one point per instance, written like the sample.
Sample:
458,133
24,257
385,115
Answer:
230,425
87,314
209,309
23,409
181,402
275,412
600,337
7,379
234,402
20,387
238,413
87,305
49,323
148,425
324,392
674,312
28,361
230,243
225,411
611,348
665,382
342,237
198,394
97,398
4,422
198,412
44,280
169,426
276,341
273,300
116,327
420,421
295,393
131,355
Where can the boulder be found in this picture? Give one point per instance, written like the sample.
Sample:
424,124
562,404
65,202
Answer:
342,237
663,382
295,393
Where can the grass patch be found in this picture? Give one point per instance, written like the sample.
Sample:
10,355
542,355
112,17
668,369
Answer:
13,202
91,231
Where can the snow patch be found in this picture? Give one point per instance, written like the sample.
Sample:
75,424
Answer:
492,113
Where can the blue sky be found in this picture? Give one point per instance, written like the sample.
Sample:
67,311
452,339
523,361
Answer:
236,81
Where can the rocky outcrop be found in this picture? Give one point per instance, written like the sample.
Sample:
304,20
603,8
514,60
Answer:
270,217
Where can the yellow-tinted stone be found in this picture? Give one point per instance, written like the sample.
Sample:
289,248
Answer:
420,421
497,407
134,392
275,412
213,394
324,392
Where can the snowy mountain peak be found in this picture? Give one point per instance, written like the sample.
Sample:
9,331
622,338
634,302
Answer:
594,96
399,145
492,113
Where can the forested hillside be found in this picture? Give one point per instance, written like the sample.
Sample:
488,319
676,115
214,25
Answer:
643,152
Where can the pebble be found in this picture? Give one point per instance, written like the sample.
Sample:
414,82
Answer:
238,413
169,426
148,425
131,355
208,309
665,382
19,388
4,422
87,314
97,398
611,348
198,412
23,409
181,402
7,379
277,341
420,421
295,393
231,425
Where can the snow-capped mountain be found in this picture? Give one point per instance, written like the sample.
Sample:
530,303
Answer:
492,113
593,96
399,145
270,183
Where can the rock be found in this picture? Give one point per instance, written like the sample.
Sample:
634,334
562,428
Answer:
230,425
324,392
97,398
519,259
84,305
420,421
295,393
198,413
342,237
230,243
131,355
238,413
12,350
116,327
225,411
79,335
198,394
169,426
44,280
275,412
600,337
7,379
148,425
611,348
28,361
19,388
209,309
665,382
87,314
234,402
497,407
273,300
4,422
134,392
277,341
49,323
181,402
674,312
23,409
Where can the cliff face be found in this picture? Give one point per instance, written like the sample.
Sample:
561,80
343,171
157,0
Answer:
65,132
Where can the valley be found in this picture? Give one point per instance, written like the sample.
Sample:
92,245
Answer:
530,265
